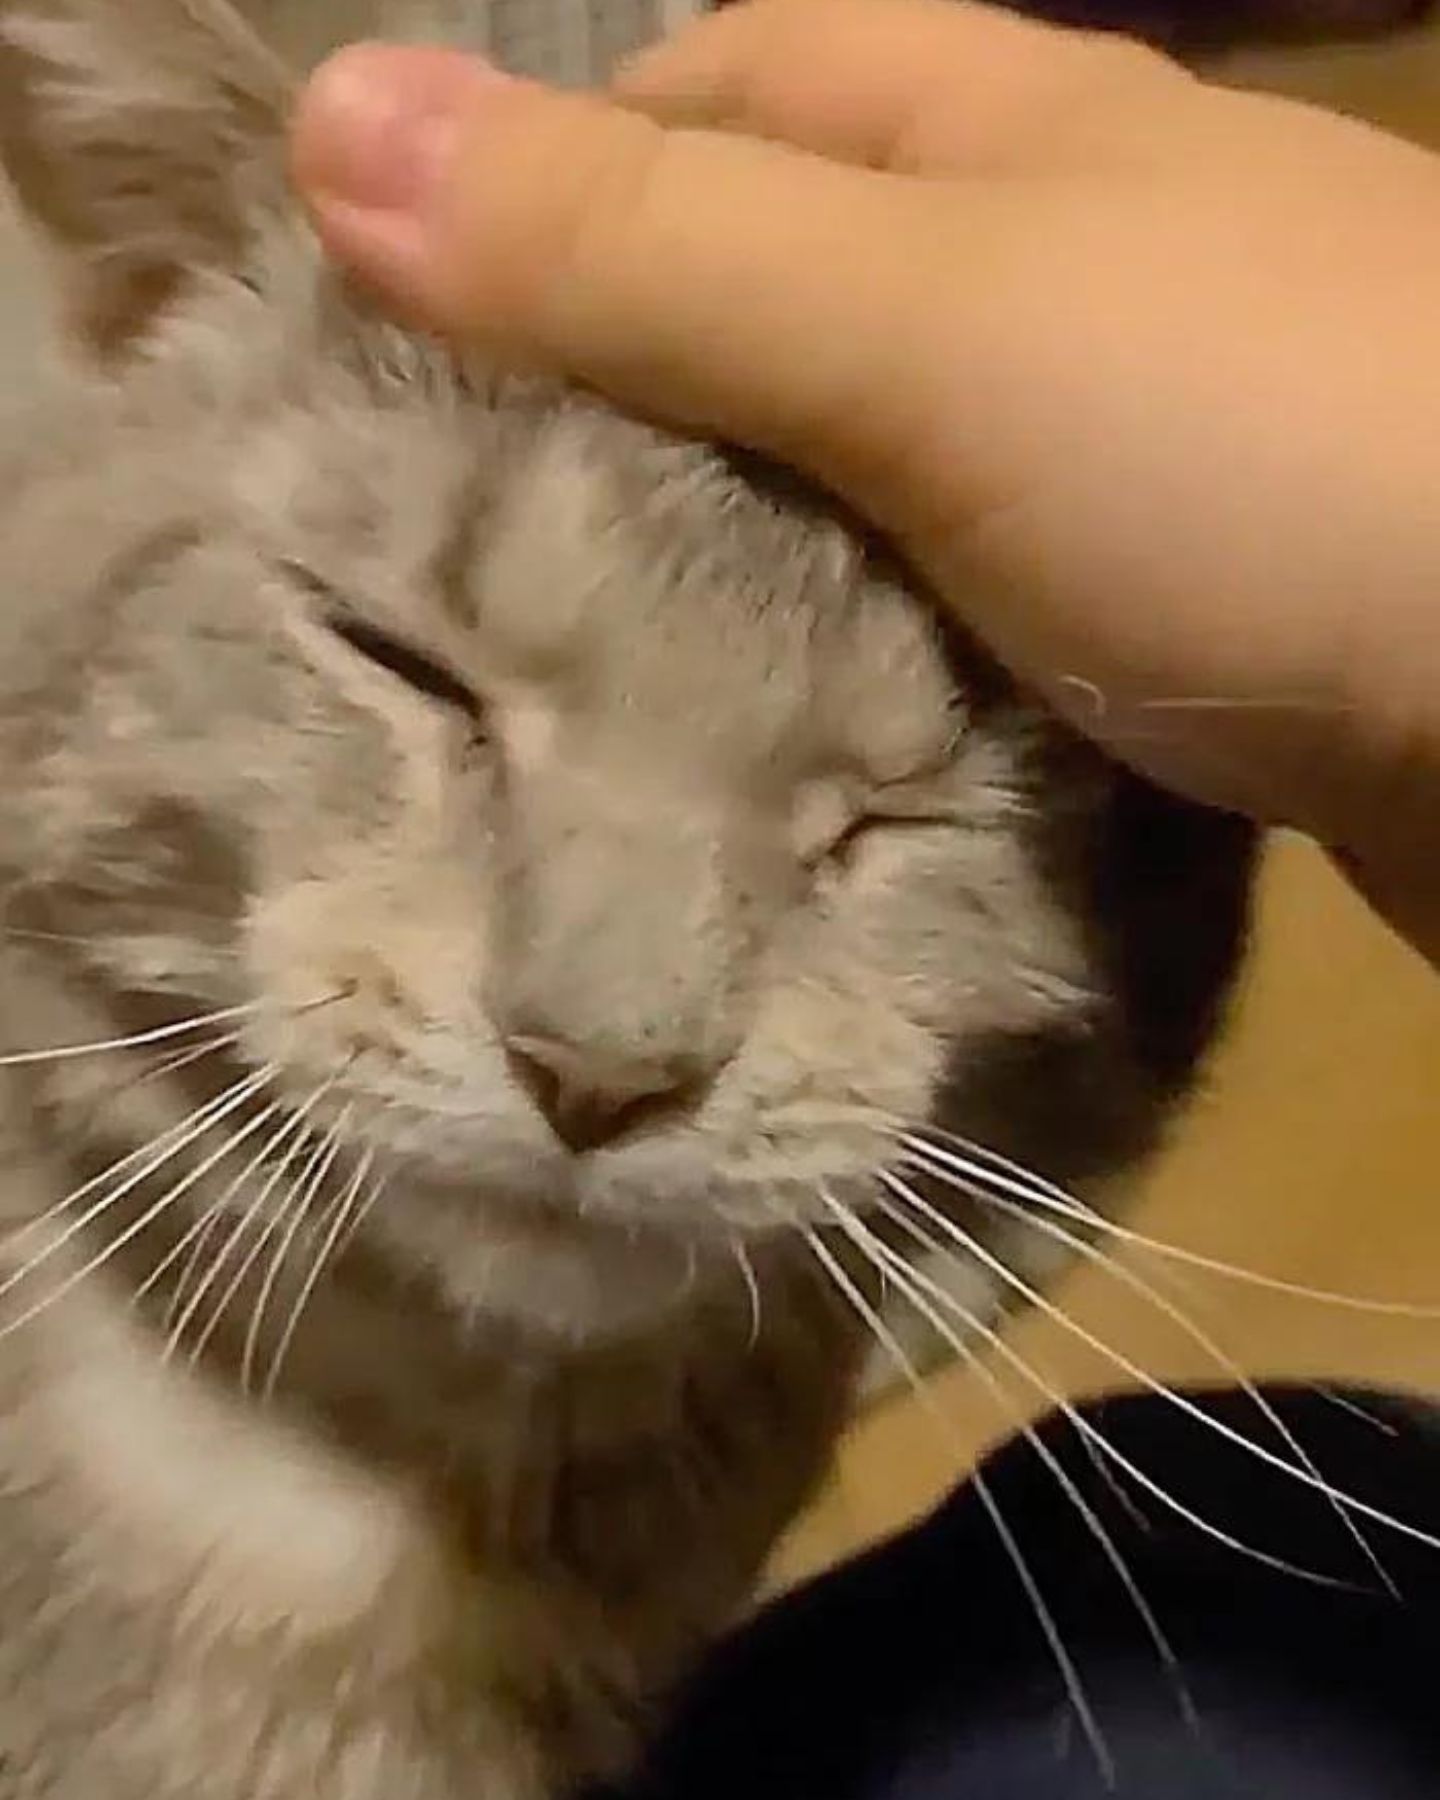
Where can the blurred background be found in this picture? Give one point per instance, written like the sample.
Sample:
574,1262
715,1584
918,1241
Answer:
1312,1156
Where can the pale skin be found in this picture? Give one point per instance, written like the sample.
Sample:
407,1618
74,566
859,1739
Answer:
1144,375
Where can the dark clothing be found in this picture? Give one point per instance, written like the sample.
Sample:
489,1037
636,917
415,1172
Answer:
918,1671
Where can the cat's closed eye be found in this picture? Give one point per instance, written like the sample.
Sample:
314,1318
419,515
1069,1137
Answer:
852,838
834,823
832,831
416,668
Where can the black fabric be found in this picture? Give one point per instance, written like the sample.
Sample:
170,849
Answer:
1198,27
918,1672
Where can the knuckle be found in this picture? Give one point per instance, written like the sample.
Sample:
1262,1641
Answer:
600,232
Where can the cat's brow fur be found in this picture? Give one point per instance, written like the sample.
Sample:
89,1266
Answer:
535,1433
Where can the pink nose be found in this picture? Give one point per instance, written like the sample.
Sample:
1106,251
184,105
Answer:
590,1101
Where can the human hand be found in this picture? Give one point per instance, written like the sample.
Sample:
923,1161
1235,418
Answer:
1143,375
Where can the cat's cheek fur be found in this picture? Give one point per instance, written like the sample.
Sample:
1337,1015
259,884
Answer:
277,1566
859,1042
367,971
289,1544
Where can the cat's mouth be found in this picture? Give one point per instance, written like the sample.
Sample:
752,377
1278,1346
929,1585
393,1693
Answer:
665,1190
323,1137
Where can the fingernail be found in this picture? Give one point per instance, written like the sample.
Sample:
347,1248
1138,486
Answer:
378,126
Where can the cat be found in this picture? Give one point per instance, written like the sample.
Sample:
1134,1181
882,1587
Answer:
501,906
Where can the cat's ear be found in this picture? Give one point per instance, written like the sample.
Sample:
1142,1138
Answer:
146,138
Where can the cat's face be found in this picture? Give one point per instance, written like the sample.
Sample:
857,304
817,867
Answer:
649,857
677,873
615,851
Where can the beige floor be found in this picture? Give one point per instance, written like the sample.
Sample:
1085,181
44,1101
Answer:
1314,1156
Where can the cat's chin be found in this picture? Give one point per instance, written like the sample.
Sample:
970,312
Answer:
541,1263
586,1284
591,1247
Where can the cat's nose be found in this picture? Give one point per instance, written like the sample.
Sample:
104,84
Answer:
590,1098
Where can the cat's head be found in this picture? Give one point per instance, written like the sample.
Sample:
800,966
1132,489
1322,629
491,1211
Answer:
612,843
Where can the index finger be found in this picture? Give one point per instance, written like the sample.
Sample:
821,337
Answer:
722,282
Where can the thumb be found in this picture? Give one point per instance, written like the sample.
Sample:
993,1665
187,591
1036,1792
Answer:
712,279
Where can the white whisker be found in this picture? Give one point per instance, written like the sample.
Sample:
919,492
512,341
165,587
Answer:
692,1270
1181,1402
157,1034
255,1210
1226,1363
297,1136
1246,703
184,1059
1385,1427
1023,1184
197,1240
1074,1685
195,1126
171,1139
912,1284
132,1084
213,1210
363,1212
336,1216
24,934
1140,1520
149,1214
306,1187
1097,1443
199,1233
746,1265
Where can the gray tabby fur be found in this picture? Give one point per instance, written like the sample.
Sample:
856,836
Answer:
533,1434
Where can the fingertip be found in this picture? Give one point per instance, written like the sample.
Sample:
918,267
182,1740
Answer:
376,136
